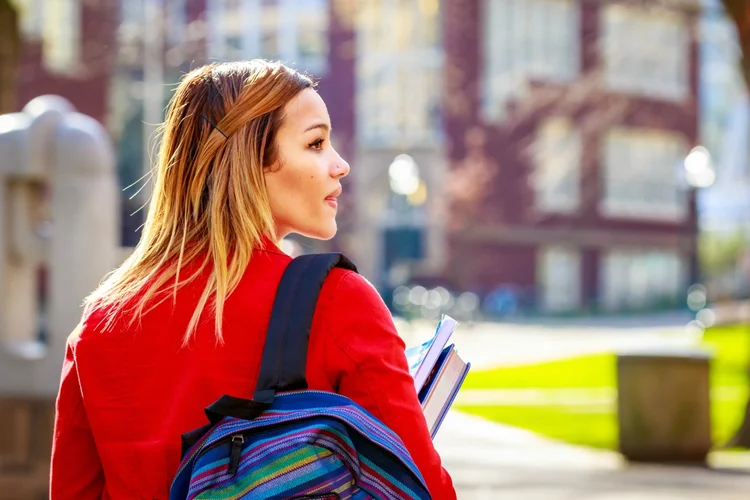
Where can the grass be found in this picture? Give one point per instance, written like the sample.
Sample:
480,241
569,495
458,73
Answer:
595,424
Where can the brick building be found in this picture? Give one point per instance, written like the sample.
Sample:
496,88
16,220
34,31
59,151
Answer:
580,113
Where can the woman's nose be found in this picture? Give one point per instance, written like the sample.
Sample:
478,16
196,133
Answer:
341,168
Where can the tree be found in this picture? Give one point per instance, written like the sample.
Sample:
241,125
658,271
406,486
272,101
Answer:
719,253
9,50
739,12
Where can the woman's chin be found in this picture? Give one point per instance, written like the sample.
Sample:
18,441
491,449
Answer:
323,233
327,235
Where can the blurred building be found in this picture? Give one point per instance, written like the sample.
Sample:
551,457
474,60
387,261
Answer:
568,123
68,49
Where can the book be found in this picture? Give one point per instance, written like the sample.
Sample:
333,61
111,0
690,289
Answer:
439,372
422,358
439,393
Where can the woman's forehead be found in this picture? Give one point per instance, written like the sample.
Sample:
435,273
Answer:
305,110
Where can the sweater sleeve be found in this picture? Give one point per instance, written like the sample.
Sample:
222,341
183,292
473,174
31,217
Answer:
76,471
367,363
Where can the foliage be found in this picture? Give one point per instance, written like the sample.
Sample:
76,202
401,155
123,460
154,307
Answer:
719,253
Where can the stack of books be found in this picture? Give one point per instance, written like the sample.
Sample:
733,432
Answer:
438,373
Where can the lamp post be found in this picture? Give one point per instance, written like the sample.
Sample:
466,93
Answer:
403,227
699,169
404,180
699,174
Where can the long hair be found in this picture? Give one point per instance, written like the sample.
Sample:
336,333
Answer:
209,206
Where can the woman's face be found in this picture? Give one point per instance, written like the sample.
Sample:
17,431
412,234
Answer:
303,184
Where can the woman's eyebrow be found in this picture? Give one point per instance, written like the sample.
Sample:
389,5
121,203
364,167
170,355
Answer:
324,126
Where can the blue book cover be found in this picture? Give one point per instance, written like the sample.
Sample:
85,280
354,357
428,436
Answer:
422,358
430,382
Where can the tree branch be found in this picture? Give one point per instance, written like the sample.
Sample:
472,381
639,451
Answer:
739,12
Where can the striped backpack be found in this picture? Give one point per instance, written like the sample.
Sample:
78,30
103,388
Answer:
289,442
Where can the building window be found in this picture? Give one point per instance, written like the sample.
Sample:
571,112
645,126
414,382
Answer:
62,35
527,39
399,60
641,171
311,47
559,279
293,31
556,178
642,279
30,14
645,52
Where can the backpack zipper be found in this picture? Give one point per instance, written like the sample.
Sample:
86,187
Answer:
234,457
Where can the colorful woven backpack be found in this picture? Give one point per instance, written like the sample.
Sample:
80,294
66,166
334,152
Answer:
289,442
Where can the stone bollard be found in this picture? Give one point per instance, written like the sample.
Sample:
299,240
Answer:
664,408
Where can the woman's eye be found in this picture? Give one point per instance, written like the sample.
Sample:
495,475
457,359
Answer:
317,144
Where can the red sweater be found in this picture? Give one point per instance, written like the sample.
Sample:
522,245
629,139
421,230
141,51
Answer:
127,396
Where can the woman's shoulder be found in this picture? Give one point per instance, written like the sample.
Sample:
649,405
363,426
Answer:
349,302
93,322
347,286
353,315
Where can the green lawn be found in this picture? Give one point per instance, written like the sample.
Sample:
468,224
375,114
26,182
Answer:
595,424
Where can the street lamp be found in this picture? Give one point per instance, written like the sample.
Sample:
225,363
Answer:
699,174
404,175
404,226
699,170
404,179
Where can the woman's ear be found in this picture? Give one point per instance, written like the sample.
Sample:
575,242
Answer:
272,167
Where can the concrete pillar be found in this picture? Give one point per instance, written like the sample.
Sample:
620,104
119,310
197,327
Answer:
58,165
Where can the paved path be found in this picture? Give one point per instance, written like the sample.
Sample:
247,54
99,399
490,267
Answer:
492,461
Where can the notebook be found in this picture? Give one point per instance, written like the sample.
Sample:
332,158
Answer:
439,372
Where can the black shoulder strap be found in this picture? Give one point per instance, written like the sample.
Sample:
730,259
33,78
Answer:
285,352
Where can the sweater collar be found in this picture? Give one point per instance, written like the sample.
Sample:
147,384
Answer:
266,244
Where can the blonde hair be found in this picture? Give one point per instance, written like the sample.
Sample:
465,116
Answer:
209,204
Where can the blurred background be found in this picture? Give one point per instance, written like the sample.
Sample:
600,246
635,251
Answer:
570,179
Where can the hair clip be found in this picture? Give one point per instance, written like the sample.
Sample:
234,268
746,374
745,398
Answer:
214,126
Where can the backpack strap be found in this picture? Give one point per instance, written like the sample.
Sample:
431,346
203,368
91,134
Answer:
285,352
284,361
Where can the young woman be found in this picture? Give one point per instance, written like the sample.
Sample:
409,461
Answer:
245,160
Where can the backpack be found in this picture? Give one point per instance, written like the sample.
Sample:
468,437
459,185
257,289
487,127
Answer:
289,442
